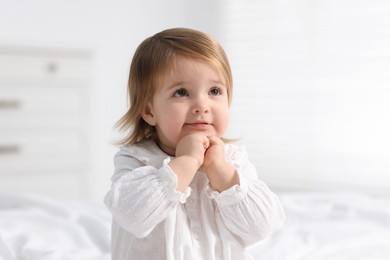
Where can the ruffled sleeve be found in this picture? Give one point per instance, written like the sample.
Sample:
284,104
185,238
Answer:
251,211
141,196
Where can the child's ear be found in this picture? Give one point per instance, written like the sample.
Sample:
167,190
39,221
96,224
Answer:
147,115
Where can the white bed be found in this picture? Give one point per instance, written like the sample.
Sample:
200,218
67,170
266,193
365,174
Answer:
39,228
330,226
333,225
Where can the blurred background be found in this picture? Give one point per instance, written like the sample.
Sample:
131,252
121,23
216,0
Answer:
311,88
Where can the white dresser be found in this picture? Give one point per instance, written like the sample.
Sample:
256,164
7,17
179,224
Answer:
44,146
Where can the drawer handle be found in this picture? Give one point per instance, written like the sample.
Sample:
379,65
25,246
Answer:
9,149
52,67
10,104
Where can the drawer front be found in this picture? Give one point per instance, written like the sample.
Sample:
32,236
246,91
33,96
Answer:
43,120
69,185
26,153
40,106
47,66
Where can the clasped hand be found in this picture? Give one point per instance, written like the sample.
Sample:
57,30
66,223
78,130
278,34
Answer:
209,153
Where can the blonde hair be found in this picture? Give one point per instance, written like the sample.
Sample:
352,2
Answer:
152,60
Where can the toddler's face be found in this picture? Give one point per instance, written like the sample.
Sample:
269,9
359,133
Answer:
192,99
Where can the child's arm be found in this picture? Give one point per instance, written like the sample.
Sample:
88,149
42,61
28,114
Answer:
221,174
143,196
189,157
248,209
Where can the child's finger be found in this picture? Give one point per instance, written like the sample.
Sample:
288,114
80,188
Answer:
214,140
206,143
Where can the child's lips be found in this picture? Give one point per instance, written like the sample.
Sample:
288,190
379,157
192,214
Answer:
199,125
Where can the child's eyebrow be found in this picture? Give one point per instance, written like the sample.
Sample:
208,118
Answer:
176,84
182,82
218,82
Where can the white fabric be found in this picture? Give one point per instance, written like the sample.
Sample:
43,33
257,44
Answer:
38,228
154,221
330,226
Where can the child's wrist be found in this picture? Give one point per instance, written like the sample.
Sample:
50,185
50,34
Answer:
215,166
191,160
222,176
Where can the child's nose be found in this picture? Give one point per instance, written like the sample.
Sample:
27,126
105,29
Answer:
201,108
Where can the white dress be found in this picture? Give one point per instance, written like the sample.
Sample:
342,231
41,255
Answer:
151,220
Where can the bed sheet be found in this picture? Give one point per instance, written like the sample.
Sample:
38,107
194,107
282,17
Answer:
330,226
38,228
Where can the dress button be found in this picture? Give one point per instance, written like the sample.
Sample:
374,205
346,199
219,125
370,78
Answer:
196,236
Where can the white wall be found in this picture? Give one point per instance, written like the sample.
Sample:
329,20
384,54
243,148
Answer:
111,30
314,78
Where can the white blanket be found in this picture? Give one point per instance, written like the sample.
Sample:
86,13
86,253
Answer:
45,229
330,226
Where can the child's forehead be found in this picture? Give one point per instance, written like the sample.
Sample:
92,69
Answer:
180,66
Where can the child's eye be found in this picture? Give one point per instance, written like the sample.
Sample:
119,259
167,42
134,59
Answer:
215,91
180,93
